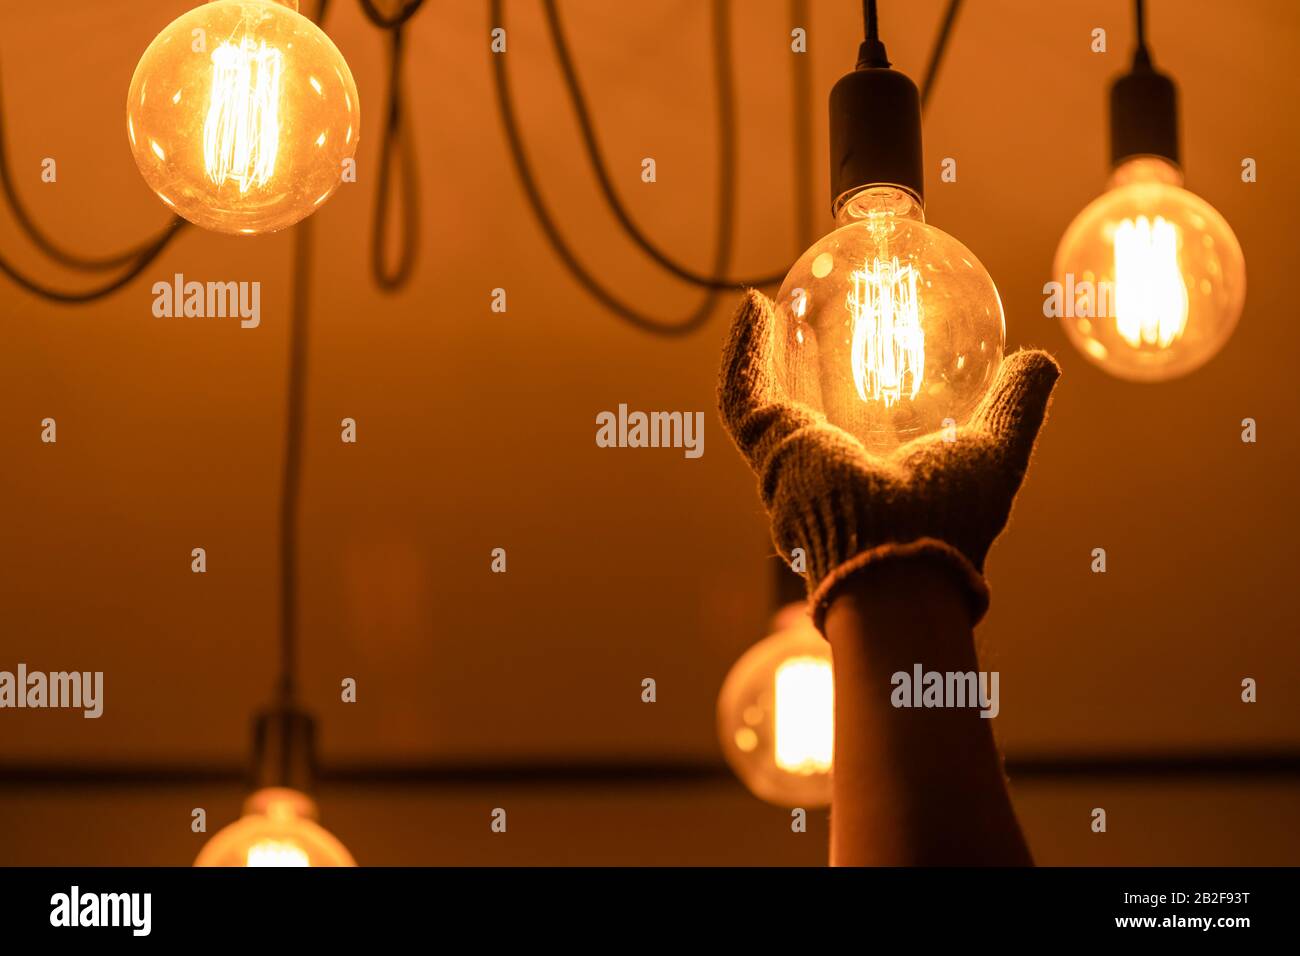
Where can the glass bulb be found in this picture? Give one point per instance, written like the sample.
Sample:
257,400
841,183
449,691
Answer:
278,828
776,714
888,325
1152,279
241,115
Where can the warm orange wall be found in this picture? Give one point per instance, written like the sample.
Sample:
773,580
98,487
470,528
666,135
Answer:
477,429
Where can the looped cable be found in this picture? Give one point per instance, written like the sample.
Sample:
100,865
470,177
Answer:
560,246
397,135
138,257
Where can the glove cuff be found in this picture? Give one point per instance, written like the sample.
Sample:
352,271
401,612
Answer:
922,550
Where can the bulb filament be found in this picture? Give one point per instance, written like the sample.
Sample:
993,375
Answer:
1150,295
804,716
242,133
276,853
888,349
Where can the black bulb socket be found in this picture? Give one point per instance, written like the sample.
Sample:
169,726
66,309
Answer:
875,115
284,750
1143,113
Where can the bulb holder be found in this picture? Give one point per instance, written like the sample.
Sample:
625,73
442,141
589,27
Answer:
875,115
284,750
1143,114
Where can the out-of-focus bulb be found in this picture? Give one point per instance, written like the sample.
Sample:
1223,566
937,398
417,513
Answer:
776,714
1150,280
241,116
888,325
278,828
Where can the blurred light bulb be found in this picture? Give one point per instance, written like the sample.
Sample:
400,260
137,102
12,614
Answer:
888,325
241,115
776,714
803,739
276,853
278,828
1152,279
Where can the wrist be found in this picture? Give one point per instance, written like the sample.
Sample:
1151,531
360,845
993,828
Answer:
895,572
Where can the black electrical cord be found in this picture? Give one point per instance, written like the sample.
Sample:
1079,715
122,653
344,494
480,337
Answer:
591,143
396,135
597,161
385,22
291,488
870,21
147,256
304,248
937,51
1141,55
138,258
43,242
726,184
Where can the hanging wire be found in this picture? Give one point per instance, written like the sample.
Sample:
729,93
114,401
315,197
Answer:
386,22
1141,55
42,241
300,303
137,258
304,247
89,295
603,179
937,51
558,244
397,136
726,182
870,21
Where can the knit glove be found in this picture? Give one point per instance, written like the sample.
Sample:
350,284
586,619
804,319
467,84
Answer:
850,510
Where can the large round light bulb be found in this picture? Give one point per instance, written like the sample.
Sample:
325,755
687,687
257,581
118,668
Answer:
241,116
888,325
1151,278
776,714
278,828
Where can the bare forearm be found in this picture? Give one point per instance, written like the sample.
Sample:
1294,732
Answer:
912,785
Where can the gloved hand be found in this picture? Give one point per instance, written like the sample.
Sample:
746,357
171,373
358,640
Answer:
850,510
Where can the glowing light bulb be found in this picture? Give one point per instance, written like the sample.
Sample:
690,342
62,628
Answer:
242,114
1151,278
278,829
888,325
276,853
1150,297
803,738
776,714
888,347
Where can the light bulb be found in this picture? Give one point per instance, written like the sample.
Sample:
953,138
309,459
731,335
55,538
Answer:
278,828
242,115
1151,278
888,325
776,714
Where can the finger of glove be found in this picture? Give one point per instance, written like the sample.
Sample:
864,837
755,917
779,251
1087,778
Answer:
754,408
1013,411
